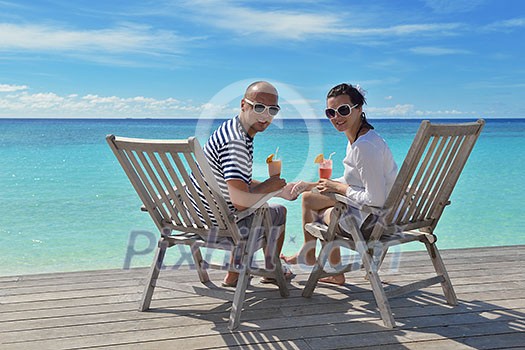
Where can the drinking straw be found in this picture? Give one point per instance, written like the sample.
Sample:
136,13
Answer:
330,156
275,154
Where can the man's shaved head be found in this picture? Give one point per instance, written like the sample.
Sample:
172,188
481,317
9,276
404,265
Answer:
260,87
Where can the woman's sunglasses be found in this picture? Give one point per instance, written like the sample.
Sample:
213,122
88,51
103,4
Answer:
343,110
259,108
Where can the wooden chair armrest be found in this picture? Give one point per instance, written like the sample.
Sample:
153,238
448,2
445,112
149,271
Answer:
362,207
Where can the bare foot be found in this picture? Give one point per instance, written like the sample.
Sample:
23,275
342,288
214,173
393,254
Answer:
292,260
296,259
337,279
231,279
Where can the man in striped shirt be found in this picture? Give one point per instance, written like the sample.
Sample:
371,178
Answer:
229,152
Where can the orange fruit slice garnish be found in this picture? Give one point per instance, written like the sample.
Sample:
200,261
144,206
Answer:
319,158
269,159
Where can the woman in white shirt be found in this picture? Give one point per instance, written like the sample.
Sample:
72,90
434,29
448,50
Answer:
369,171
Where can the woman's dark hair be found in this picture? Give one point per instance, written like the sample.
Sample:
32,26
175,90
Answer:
350,91
356,97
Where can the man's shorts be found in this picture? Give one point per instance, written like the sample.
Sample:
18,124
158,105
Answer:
277,214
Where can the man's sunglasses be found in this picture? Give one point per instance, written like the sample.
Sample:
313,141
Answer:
259,108
343,110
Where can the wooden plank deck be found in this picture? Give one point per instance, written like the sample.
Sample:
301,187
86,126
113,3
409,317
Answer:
98,309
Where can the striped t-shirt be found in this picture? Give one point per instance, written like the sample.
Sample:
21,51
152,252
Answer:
229,151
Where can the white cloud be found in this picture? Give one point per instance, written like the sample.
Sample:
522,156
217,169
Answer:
403,30
395,111
289,25
507,24
388,97
49,104
17,104
92,45
11,88
294,24
443,113
409,110
453,6
498,84
438,51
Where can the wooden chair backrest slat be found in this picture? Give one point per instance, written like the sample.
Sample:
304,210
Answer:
427,176
184,180
416,187
136,181
215,207
159,188
169,190
214,189
160,172
397,198
440,173
430,175
462,155
188,214
154,201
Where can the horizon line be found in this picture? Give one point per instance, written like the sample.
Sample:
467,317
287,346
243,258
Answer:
180,118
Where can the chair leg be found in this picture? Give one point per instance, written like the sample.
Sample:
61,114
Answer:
270,247
153,275
199,264
316,272
279,278
439,266
384,251
238,298
314,277
378,290
371,267
242,281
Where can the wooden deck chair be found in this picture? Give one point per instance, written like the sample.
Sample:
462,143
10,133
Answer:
160,171
411,212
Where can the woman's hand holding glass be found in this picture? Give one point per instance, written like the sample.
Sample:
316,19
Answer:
327,185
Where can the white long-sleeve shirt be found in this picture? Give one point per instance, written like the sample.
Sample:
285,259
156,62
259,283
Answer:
369,170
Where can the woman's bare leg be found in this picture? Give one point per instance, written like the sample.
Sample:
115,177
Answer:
335,256
312,204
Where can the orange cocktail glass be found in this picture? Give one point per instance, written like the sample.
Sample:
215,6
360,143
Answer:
274,167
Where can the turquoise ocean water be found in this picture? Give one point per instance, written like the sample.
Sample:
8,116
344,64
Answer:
65,203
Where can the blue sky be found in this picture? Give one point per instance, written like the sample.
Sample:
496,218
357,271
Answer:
172,59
